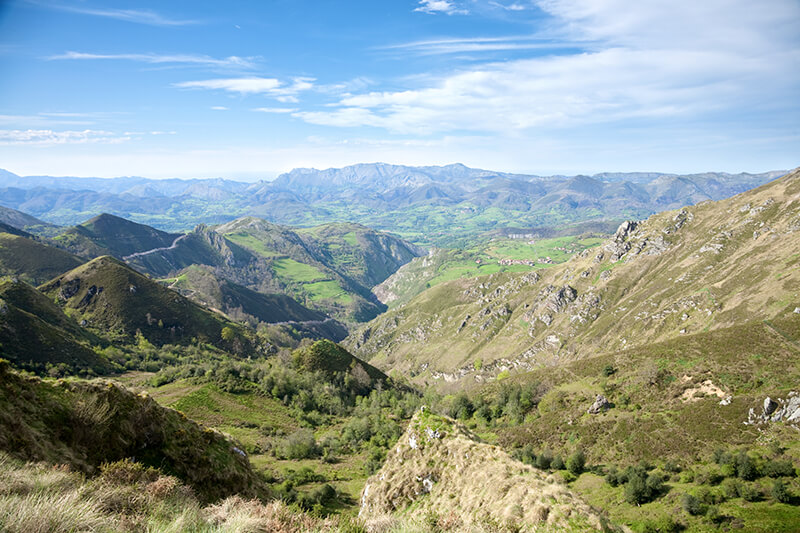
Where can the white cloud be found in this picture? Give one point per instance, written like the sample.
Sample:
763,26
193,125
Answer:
138,16
282,91
477,44
509,7
277,110
440,6
649,62
186,59
51,137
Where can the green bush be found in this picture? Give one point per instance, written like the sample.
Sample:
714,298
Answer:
576,463
692,505
779,492
778,468
299,445
558,463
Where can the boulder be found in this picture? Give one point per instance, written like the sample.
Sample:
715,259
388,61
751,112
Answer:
600,404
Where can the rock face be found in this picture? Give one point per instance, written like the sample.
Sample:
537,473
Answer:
600,404
779,410
440,467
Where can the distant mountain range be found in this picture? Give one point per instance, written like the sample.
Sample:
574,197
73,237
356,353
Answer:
428,205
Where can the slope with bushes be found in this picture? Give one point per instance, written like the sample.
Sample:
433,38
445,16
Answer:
32,260
85,424
704,267
116,300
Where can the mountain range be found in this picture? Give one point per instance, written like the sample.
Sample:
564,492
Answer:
453,202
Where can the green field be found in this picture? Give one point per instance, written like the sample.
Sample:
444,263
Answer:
252,243
292,271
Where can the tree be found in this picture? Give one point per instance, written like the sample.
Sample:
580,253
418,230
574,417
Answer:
228,334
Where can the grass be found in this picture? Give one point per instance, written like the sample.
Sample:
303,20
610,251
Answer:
253,243
293,271
327,290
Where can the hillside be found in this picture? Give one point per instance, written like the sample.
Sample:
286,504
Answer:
117,301
497,255
439,467
33,260
86,424
111,235
203,286
328,269
702,268
23,221
36,335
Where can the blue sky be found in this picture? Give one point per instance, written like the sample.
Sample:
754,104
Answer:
251,89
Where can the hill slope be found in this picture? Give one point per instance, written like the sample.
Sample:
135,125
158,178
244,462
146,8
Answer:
118,301
704,267
35,333
33,260
440,467
111,235
85,424
203,286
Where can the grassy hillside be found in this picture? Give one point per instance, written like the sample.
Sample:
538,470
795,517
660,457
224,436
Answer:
35,334
202,285
702,268
32,260
111,235
117,301
86,424
497,255
441,469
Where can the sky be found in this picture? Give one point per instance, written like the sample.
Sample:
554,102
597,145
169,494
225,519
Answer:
249,89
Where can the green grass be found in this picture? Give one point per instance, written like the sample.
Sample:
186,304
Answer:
290,270
252,243
327,290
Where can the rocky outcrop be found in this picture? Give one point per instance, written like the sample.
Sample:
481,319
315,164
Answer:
600,404
439,467
779,410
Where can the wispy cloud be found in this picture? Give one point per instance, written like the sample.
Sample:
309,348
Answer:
277,110
509,7
685,69
480,44
219,108
440,6
137,16
157,59
51,137
282,91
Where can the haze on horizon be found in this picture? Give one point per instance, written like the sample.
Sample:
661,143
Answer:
202,89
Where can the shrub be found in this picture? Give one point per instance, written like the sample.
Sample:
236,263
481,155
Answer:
558,463
636,490
779,468
613,477
299,445
609,370
731,488
749,492
746,467
779,493
544,460
576,463
691,505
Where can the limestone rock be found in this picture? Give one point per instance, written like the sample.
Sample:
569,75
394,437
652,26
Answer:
600,404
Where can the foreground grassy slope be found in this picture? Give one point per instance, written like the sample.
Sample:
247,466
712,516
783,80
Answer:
704,267
119,302
85,424
439,467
